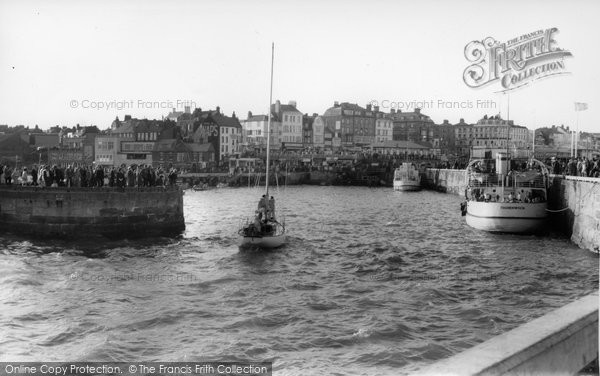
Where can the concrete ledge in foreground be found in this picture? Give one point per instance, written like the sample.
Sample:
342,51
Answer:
561,342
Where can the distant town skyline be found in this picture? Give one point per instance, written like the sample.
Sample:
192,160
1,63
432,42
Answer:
70,62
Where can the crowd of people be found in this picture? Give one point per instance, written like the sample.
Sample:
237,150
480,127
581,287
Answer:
583,166
89,176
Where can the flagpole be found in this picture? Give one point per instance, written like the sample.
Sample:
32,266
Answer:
533,147
576,134
572,136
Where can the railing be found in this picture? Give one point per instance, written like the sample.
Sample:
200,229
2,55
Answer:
578,178
492,180
561,342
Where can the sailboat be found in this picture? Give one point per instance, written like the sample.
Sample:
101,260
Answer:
265,231
406,176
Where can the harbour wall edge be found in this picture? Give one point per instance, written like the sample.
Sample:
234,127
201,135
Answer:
83,212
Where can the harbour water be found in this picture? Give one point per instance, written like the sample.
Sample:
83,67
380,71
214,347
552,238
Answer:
372,281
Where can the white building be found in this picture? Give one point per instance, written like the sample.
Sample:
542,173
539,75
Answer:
491,133
319,132
290,120
230,130
384,128
255,131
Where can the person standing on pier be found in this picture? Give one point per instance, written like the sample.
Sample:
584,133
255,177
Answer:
172,177
130,177
69,172
34,175
99,176
24,176
7,175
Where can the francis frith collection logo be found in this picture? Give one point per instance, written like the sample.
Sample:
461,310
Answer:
515,63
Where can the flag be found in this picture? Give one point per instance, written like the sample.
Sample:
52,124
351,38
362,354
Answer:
580,106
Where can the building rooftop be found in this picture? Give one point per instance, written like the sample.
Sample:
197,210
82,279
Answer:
337,109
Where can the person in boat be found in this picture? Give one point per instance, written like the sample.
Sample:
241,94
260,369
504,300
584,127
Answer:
262,203
271,208
511,198
258,222
254,228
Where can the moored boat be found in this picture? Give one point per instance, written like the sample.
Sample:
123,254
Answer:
407,177
506,195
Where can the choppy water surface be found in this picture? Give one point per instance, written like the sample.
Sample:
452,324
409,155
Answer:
371,282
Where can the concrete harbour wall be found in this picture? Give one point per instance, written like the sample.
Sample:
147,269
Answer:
561,342
573,203
576,205
84,212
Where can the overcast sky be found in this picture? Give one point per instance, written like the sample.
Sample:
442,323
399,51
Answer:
60,59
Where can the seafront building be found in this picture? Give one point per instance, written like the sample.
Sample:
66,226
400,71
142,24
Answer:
255,131
413,126
318,133
290,124
384,126
287,128
198,139
405,149
350,125
443,138
492,134
307,130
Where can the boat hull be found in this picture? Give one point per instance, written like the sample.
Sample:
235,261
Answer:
506,217
400,185
263,241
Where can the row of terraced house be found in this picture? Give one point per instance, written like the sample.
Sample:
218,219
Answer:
196,138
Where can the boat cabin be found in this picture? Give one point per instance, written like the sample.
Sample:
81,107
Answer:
507,180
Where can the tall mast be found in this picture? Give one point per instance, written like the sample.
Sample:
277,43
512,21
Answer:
269,119
507,124
406,146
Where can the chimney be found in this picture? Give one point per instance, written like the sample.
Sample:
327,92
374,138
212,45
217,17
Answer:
376,108
336,104
315,114
277,106
369,107
187,109
445,121
233,115
127,117
417,110
392,111
292,103
249,114
218,110
173,110
462,120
